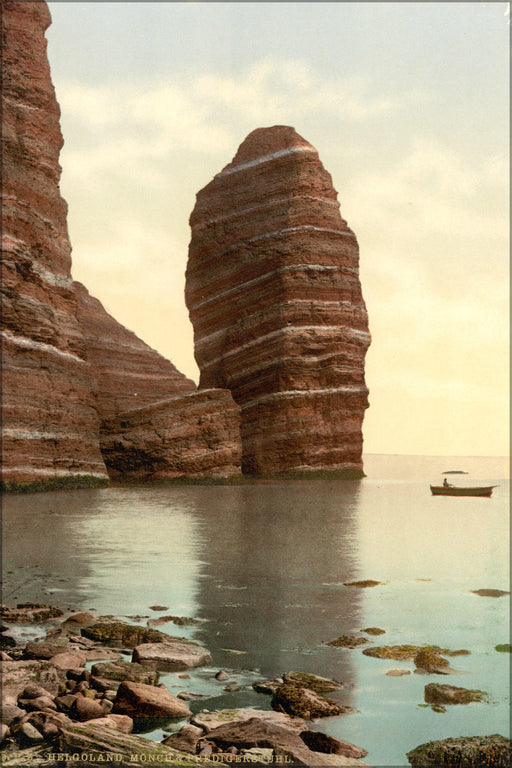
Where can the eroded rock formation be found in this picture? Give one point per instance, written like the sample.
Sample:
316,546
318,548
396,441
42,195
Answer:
127,372
75,382
49,417
274,296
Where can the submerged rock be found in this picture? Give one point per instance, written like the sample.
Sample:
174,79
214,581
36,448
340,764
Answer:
348,641
363,584
450,694
29,613
464,752
489,592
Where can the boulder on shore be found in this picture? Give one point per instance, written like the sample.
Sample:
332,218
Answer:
139,700
125,670
171,656
122,634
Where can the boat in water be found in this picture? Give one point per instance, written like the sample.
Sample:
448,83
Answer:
452,490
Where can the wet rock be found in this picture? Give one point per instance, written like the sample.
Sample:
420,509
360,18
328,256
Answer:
119,633
125,670
139,700
489,592
374,631
362,584
449,694
268,686
398,672
79,619
313,682
348,641
158,607
464,752
186,739
503,648
321,742
430,660
221,675
171,655
304,702
29,613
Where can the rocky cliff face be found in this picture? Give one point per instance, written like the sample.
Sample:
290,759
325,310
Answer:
155,425
49,416
74,380
127,372
274,296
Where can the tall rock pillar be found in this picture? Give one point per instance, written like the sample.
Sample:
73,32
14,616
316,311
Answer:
273,293
50,424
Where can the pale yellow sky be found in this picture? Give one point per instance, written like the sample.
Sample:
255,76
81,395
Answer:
407,105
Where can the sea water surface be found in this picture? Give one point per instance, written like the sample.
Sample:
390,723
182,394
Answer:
264,567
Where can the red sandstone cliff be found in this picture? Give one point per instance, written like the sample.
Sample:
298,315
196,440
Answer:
50,423
127,372
155,425
273,292
74,380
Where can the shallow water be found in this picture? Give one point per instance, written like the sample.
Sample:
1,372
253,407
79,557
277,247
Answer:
264,566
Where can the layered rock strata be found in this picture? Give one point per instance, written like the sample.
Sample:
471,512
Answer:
189,436
75,382
155,425
51,427
127,372
273,292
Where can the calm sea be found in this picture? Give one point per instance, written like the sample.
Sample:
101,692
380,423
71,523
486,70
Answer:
264,567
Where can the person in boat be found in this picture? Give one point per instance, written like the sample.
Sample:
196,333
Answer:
446,484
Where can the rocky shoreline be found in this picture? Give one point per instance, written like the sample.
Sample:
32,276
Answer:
72,695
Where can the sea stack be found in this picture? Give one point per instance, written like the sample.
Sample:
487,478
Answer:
273,292
50,422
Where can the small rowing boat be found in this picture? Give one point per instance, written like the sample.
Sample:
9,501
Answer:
452,490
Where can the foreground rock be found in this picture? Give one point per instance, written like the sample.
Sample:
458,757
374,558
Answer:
464,752
244,732
93,743
273,292
140,700
304,702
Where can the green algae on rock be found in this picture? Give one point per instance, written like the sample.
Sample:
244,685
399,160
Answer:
348,641
463,752
127,635
450,694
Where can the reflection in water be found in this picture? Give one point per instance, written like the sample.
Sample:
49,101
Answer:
264,564
276,557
